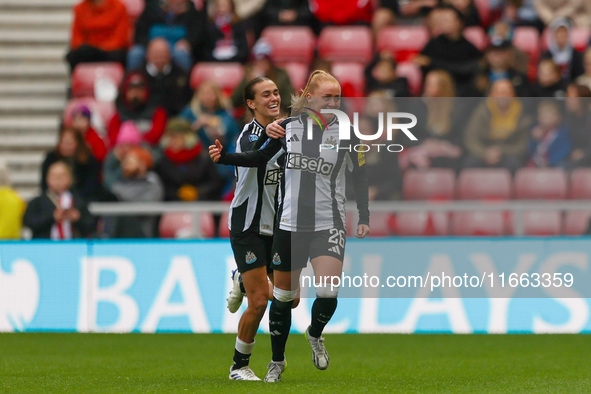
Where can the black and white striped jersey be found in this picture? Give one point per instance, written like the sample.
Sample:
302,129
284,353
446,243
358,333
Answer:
253,205
312,187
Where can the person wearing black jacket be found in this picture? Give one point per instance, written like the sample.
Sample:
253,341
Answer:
288,13
451,52
226,35
168,83
380,74
179,22
59,213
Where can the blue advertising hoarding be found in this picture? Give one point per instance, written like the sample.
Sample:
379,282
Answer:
181,286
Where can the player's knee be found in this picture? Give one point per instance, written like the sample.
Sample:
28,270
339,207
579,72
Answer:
327,291
258,303
283,299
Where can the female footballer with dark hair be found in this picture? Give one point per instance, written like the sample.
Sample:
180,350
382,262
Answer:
251,223
311,211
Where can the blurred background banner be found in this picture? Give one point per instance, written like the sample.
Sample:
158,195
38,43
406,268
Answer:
181,286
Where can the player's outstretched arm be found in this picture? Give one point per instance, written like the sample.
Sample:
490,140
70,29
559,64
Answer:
254,158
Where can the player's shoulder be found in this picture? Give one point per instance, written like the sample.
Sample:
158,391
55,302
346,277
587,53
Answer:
251,132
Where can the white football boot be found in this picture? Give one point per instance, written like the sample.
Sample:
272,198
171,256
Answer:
319,353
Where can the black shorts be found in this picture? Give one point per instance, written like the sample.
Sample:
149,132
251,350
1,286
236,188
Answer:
291,250
251,250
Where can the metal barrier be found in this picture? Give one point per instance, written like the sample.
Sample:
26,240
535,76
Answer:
517,207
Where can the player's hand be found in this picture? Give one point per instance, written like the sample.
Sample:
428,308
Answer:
215,151
362,231
274,130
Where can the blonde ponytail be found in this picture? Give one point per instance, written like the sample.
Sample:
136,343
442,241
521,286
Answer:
315,79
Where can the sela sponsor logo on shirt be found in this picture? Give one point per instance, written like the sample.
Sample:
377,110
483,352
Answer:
317,165
391,119
250,257
272,177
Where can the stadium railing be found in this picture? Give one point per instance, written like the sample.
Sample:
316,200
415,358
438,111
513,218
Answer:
516,207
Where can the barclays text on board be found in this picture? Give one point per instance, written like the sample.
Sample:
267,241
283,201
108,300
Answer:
181,286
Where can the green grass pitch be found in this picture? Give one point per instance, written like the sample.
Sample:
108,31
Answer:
359,363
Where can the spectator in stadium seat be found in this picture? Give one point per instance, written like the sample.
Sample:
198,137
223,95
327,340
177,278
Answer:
498,130
550,143
81,117
134,103
579,11
12,207
100,32
139,184
128,138
451,52
497,65
439,137
179,23
59,213
210,119
384,15
522,13
168,83
261,65
186,171
416,8
380,74
500,32
577,119
550,81
468,10
384,176
226,34
288,13
342,12
562,52
73,150
585,79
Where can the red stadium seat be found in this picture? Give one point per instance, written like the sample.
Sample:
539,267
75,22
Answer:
478,223
290,44
226,75
540,184
105,110
484,11
298,74
404,42
527,39
416,224
176,225
576,222
345,44
432,184
134,8
484,183
413,74
224,231
352,73
580,184
381,224
477,36
579,38
86,75
542,223
180,225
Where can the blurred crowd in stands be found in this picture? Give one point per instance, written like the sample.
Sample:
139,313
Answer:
150,91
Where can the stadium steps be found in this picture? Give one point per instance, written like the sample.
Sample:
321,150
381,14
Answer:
34,37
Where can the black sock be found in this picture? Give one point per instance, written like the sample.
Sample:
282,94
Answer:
279,325
240,360
322,311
